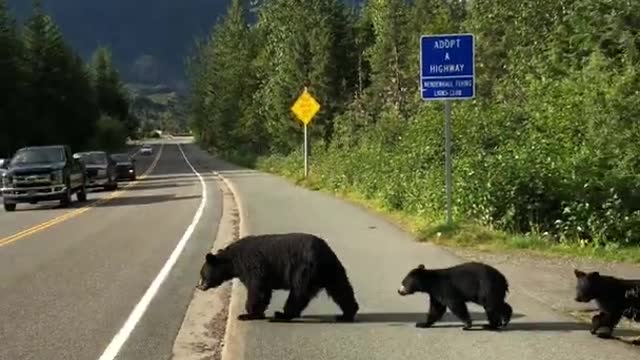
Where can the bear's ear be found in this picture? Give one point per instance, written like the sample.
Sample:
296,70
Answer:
211,259
579,274
595,274
421,267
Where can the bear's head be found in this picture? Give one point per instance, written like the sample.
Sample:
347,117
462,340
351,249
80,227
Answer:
215,270
587,285
413,281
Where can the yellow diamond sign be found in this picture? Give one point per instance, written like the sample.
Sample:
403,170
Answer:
306,107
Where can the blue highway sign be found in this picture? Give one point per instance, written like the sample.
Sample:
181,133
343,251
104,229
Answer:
447,67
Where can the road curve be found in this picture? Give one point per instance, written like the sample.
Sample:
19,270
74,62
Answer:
66,290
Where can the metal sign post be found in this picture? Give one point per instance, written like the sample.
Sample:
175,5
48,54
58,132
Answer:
447,72
306,153
305,108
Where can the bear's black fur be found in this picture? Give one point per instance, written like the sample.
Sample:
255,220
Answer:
614,297
453,287
299,262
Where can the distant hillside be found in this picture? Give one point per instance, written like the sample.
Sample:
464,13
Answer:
149,38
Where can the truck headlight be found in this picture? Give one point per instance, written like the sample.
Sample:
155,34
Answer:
57,177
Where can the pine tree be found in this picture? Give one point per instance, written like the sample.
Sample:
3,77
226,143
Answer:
221,74
82,110
391,54
12,87
112,97
46,59
282,67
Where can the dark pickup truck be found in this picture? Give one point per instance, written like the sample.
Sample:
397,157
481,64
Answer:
43,173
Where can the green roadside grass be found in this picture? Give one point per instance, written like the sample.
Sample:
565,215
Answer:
461,234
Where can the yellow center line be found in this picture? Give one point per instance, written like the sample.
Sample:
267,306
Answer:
57,220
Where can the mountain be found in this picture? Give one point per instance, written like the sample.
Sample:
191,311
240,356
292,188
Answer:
149,38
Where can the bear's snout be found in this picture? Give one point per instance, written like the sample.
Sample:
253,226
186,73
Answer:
402,291
580,299
201,285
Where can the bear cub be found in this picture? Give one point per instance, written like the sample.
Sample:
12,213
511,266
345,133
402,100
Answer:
302,263
454,286
633,310
614,297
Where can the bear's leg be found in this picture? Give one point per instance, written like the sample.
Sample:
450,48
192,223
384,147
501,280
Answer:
495,319
257,302
341,291
498,312
297,301
507,312
596,322
459,309
436,311
602,324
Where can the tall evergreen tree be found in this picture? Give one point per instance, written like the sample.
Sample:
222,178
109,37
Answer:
46,60
391,53
111,95
222,79
12,86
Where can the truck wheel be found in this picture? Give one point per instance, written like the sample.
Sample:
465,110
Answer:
82,194
9,207
113,185
66,200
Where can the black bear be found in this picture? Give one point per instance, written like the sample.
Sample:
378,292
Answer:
613,296
299,262
454,286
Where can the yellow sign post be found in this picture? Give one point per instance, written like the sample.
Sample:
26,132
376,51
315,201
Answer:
305,108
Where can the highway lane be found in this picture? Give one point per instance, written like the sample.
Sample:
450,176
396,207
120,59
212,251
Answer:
66,291
27,216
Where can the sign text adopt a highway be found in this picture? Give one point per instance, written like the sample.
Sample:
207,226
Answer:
447,67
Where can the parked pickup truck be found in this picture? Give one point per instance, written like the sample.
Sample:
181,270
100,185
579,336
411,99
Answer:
43,173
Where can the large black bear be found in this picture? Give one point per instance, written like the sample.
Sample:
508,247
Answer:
299,262
453,287
614,297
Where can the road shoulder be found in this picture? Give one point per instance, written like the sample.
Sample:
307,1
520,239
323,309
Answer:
203,328
261,189
547,281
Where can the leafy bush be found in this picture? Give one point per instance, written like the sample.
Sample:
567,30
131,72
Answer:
550,145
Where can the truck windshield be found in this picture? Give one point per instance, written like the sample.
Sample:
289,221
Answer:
121,158
38,156
93,158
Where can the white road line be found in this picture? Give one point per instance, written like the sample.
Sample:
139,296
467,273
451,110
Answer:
118,341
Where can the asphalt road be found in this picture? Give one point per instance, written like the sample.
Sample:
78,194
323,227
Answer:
66,289
377,256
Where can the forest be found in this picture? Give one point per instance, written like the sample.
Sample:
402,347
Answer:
51,96
547,149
